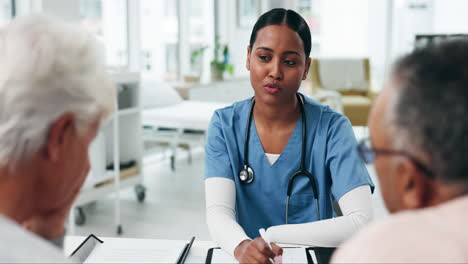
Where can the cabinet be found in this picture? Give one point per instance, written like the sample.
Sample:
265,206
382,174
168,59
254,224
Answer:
116,153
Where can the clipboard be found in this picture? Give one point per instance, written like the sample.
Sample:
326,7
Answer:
82,252
184,253
129,250
322,255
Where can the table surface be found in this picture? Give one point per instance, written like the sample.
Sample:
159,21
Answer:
197,253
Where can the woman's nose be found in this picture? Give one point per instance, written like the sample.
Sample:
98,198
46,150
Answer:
275,72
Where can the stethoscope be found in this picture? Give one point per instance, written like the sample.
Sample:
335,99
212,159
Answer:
246,174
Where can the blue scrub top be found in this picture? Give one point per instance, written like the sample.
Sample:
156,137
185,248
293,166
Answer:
331,156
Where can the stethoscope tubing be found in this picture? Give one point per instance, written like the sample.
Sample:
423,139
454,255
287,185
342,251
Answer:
302,170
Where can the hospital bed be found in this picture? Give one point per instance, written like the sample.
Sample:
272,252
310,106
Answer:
168,119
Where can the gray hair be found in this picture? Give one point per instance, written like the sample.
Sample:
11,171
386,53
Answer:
47,68
431,106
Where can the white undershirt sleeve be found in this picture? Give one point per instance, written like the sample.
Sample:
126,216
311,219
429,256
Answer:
356,207
220,196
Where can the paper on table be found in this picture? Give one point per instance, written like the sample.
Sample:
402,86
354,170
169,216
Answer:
290,255
296,255
221,256
136,251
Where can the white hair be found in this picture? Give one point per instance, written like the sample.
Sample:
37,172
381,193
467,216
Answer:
47,68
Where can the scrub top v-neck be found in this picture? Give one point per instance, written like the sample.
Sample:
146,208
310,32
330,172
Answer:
330,156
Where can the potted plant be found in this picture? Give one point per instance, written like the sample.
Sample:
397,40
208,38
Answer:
196,64
219,64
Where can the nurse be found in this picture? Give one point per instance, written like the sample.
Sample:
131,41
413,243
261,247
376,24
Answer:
254,147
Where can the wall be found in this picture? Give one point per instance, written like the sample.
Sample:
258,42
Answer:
379,40
344,28
410,18
68,10
414,17
238,37
450,16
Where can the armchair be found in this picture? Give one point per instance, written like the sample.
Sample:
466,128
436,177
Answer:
351,78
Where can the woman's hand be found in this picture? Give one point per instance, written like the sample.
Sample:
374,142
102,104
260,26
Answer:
256,251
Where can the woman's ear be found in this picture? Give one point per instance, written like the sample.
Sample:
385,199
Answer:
247,65
306,70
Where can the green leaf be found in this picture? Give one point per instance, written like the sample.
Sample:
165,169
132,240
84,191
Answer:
230,69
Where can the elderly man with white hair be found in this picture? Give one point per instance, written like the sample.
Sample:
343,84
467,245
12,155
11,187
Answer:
54,92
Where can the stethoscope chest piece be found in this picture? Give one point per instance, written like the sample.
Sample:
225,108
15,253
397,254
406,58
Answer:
246,175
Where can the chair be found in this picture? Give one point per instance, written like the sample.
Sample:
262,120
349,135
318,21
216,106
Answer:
351,78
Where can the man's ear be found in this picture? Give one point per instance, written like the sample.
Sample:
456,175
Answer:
414,186
247,65
60,134
306,70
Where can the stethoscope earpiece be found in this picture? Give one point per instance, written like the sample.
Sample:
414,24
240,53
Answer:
246,175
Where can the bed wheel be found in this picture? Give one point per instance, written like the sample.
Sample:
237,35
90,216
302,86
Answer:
80,217
172,162
140,192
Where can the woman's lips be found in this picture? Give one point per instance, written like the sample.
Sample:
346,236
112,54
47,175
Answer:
272,89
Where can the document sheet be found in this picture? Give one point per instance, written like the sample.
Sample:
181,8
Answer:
136,251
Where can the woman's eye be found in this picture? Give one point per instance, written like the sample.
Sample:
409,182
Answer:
290,62
263,58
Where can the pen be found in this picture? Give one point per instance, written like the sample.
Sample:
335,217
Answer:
183,255
264,235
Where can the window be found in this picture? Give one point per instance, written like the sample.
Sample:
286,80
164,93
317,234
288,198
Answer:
201,37
310,10
159,38
6,11
167,54
339,28
107,19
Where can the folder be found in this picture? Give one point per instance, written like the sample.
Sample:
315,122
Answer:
184,253
82,252
323,254
309,255
128,250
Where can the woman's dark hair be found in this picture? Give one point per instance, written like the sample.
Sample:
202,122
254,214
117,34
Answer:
281,16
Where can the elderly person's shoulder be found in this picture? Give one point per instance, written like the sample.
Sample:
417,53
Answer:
18,245
436,234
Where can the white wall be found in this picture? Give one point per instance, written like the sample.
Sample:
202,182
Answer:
379,40
407,19
344,28
68,10
238,37
410,18
450,16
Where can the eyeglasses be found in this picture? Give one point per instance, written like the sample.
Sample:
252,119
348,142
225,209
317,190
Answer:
368,154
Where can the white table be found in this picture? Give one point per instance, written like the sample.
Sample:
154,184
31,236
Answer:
197,253
130,250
